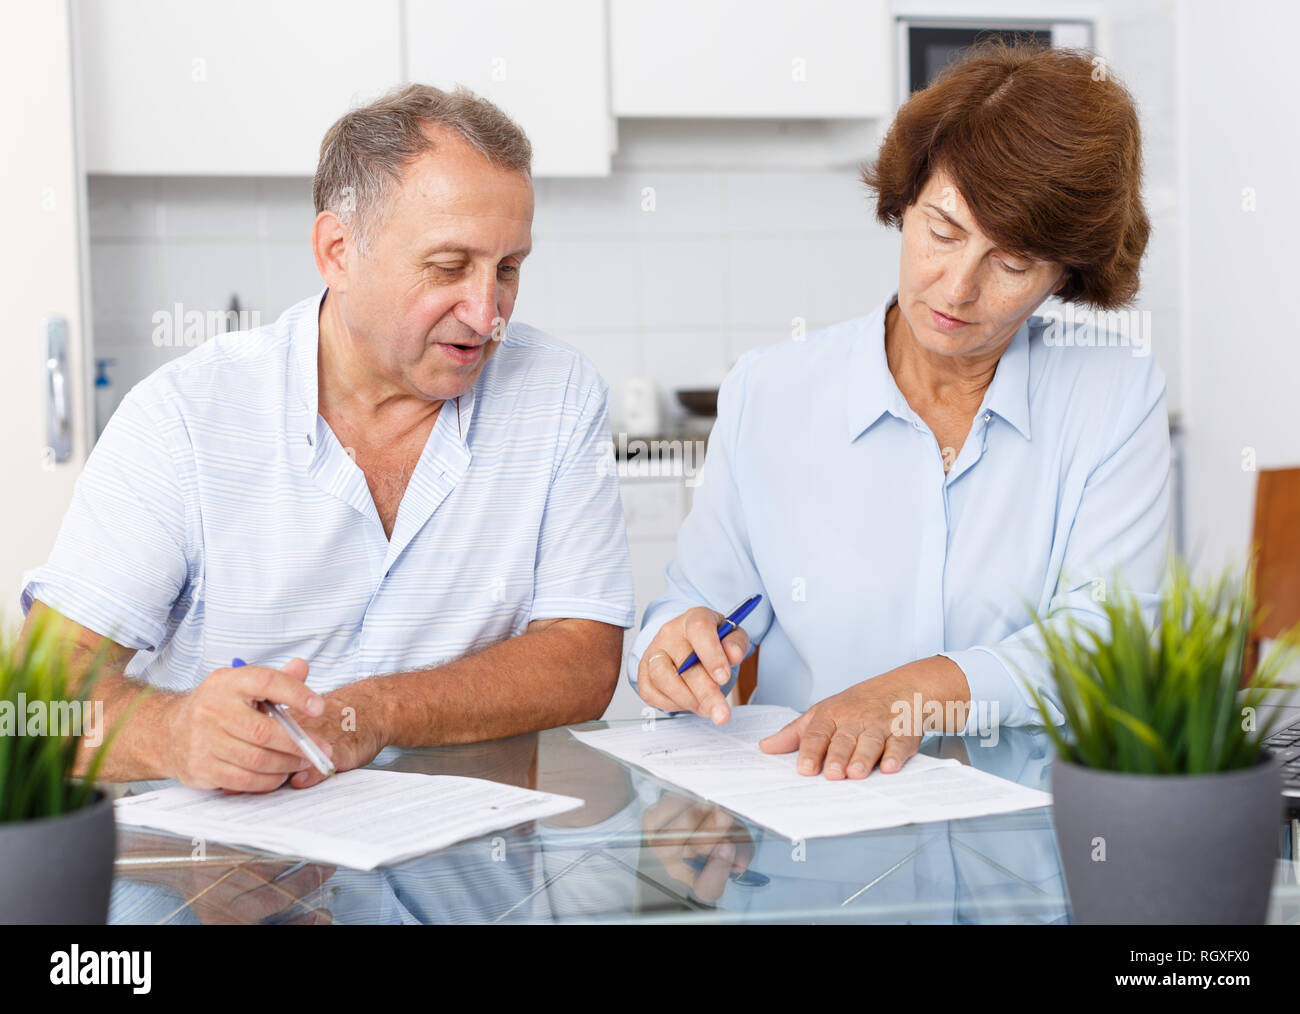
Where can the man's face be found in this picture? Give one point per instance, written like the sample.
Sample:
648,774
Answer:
429,303
949,266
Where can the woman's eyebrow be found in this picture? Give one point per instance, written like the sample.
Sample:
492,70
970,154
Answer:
952,221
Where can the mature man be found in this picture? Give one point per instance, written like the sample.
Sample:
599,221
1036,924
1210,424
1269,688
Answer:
391,502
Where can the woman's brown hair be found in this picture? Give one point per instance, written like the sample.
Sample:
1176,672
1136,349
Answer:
1044,146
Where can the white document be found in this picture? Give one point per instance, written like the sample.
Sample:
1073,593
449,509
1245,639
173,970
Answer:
724,765
361,819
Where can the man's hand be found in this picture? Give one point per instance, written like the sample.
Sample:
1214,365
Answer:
351,725
697,690
216,738
876,721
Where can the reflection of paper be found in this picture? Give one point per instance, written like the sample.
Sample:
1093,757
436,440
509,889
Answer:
725,765
361,819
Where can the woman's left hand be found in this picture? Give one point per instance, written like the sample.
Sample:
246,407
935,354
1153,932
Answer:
875,722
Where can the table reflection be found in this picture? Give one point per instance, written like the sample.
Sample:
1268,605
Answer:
638,850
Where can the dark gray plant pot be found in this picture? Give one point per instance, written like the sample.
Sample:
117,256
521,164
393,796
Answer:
59,869
1179,849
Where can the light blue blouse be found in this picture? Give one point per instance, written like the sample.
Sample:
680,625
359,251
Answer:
825,491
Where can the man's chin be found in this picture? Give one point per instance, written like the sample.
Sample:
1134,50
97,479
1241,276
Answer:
446,388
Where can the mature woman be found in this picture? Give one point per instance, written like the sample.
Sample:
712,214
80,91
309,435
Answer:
905,487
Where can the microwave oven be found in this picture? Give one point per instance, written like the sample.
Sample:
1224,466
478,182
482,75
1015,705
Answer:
927,45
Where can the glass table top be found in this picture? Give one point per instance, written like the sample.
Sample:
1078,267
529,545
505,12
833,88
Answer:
640,850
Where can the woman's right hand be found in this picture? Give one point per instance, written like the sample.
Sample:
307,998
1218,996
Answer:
698,689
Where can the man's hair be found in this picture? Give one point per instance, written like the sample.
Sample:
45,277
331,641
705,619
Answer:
364,154
1044,146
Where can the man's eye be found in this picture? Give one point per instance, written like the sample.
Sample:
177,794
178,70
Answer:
942,239
449,269
511,269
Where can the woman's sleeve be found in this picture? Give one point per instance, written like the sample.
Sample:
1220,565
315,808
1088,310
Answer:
713,565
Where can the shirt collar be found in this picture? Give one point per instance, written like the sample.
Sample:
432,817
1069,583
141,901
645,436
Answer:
872,390
305,345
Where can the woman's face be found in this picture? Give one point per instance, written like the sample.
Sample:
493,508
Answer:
961,293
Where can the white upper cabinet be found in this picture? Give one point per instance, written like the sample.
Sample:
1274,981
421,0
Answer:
544,63
750,58
236,87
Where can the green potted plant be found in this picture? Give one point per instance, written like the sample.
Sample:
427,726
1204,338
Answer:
1166,802
57,836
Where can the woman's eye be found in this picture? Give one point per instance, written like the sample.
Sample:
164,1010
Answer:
1014,271
942,239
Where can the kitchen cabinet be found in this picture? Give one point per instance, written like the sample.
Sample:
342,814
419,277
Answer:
42,272
246,87
239,87
751,58
545,64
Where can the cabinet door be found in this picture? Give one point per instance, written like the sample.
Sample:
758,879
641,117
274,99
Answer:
543,63
750,58
236,87
42,282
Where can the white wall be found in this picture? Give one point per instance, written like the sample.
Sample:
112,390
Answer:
723,262
1239,82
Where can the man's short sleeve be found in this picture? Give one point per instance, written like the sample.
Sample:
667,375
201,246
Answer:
583,570
121,558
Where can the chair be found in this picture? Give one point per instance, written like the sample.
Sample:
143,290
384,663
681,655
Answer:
1277,568
747,681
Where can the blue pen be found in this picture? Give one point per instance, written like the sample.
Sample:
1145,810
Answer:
749,878
727,626
304,742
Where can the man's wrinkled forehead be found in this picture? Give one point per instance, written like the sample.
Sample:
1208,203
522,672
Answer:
445,193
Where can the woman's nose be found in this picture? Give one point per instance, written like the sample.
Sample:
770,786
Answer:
961,284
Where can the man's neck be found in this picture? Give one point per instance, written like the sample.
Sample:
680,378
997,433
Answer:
352,395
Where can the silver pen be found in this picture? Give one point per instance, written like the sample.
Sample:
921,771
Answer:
300,739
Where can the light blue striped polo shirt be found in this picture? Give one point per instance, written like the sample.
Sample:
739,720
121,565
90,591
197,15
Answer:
219,517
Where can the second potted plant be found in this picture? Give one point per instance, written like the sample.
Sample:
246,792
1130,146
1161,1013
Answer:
1166,802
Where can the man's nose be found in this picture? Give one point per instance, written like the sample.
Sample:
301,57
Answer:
479,307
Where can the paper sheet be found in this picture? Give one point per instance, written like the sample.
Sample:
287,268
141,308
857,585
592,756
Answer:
361,819
724,765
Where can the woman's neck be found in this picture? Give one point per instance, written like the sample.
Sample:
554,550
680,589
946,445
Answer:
930,378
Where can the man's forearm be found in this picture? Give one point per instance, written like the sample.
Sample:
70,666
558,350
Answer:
563,673
138,714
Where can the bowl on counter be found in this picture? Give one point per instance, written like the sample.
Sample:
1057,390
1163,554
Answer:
699,403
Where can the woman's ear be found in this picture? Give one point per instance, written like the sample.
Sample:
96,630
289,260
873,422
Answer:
1060,282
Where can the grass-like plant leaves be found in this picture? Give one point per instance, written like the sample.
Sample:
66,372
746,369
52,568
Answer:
1163,700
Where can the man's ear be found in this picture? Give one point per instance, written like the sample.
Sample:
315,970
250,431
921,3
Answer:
332,246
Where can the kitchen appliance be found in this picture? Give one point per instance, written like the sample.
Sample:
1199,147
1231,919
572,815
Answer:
927,45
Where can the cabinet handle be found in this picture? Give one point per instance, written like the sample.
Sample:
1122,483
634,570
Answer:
58,408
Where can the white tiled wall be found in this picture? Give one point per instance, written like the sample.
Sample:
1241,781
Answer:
666,274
